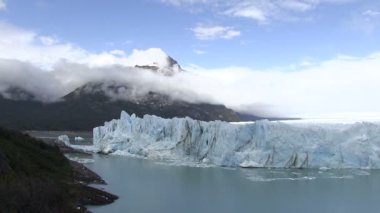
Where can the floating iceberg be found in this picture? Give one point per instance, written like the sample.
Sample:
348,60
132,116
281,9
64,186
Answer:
258,144
78,138
64,139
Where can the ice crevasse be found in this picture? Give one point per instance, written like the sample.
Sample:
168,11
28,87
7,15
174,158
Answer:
258,144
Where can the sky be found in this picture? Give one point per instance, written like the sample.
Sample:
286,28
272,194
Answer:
305,58
210,33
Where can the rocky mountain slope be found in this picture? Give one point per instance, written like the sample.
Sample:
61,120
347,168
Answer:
93,103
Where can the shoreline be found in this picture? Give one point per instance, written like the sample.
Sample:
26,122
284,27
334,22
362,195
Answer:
83,176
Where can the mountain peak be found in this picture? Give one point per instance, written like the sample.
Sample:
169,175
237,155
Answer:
156,60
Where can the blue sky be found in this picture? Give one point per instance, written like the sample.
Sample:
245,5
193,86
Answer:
302,30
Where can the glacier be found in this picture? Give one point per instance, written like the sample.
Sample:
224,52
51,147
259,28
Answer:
265,144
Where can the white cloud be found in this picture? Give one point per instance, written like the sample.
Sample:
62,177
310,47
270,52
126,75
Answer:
367,21
3,6
199,52
247,10
46,51
296,5
262,11
187,2
371,13
215,32
344,86
47,41
127,42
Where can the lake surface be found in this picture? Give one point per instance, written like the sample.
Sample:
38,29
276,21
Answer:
162,187
147,186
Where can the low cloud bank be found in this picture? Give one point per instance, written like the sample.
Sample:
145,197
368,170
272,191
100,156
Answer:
342,87
337,88
65,77
49,68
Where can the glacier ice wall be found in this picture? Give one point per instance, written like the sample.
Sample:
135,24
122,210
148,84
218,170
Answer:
260,144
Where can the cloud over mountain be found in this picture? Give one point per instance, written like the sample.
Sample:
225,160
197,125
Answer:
50,68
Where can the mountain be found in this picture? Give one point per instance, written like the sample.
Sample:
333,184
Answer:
169,67
99,98
17,93
92,104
